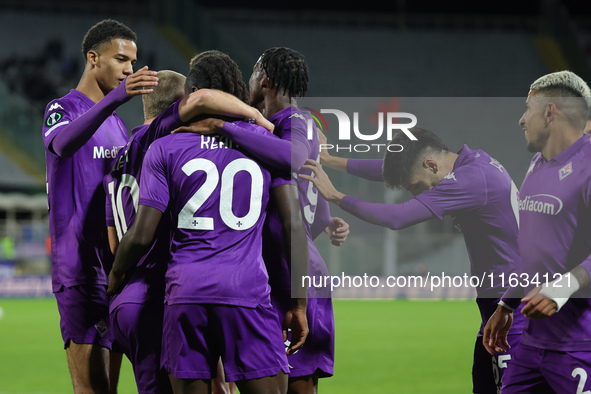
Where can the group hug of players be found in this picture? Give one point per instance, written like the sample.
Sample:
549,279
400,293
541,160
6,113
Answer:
181,247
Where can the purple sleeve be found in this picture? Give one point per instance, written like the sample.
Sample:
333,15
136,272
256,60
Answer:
322,217
268,148
370,169
154,191
393,216
74,135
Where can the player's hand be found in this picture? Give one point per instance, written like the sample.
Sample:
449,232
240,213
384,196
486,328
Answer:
495,332
296,320
260,120
338,230
322,182
538,306
141,82
115,282
202,126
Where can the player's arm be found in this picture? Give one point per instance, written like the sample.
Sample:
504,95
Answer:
288,154
266,148
545,300
215,102
109,217
393,216
496,330
113,239
73,135
370,169
288,207
135,243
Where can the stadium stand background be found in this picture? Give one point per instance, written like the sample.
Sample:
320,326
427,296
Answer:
463,67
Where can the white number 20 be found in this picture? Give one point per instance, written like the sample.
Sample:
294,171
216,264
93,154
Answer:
186,218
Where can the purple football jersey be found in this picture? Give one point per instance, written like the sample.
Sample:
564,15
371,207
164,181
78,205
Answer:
482,198
146,281
79,245
217,197
290,124
555,237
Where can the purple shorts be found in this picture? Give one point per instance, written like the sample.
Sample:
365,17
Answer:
137,330
487,370
542,371
84,315
317,354
248,340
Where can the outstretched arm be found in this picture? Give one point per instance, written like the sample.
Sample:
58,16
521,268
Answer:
296,253
278,153
135,243
74,135
370,169
393,216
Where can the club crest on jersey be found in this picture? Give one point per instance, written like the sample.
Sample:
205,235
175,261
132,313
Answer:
102,327
53,118
451,175
565,171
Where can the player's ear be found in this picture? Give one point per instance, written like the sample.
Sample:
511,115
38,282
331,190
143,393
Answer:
265,83
92,57
430,165
549,112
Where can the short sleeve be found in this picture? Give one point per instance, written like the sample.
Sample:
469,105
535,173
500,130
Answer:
58,113
154,191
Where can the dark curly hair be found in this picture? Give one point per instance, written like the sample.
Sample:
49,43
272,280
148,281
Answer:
216,70
105,31
399,166
287,70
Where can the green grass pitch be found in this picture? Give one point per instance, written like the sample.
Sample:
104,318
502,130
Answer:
385,346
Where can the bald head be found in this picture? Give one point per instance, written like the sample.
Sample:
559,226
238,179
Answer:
170,89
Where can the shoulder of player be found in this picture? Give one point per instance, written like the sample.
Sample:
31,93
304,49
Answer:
297,116
67,103
466,174
580,162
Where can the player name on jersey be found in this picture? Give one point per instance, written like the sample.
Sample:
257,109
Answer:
217,142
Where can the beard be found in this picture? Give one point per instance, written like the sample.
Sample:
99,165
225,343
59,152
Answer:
537,144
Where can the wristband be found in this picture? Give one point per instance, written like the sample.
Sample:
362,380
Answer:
561,289
504,305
